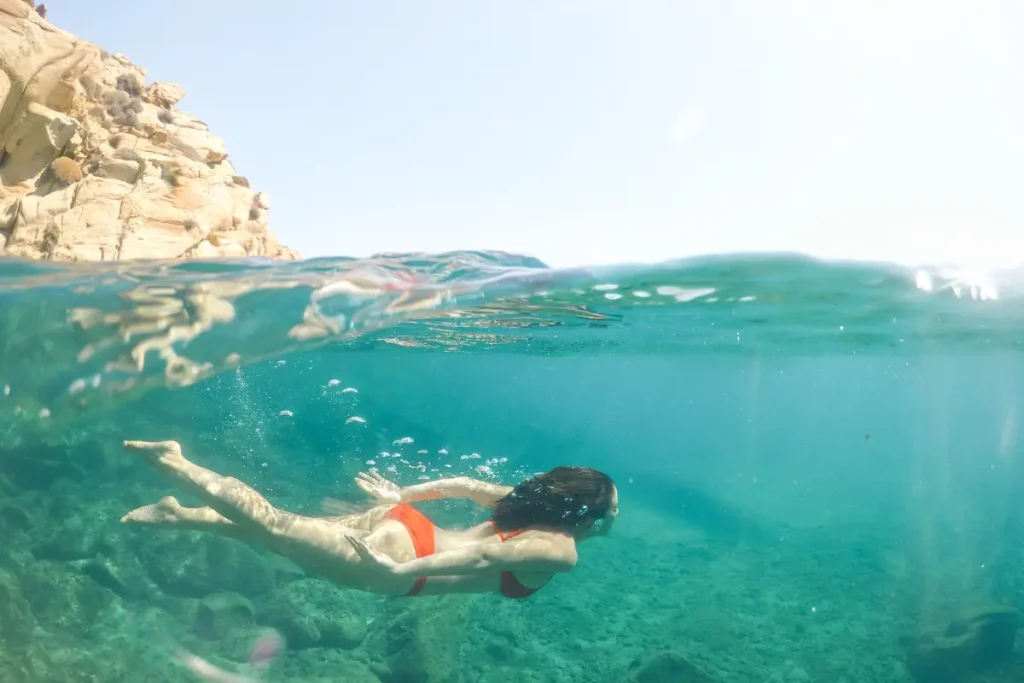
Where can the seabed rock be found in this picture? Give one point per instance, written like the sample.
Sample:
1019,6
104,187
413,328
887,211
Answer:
981,639
666,667
311,613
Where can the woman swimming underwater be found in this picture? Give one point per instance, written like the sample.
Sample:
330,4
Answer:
393,549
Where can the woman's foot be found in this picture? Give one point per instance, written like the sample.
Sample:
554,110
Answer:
166,453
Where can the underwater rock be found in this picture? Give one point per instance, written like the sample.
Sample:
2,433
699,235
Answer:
7,487
32,663
423,641
74,524
65,602
83,453
501,638
192,565
51,462
221,613
978,640
14,518
120,575
71,538
16,619
36,471
312,613
323,666
666,667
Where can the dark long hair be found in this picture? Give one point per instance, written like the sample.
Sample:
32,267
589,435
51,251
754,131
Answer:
566,498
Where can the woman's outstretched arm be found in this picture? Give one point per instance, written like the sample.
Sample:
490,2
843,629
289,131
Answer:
480,492
387,492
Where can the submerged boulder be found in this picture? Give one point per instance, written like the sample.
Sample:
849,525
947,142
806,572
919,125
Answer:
221,613
17,623
422,640
979,639
65,602
312,613
192,565
666,666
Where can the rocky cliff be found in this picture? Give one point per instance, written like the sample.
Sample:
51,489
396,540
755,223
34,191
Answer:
96,164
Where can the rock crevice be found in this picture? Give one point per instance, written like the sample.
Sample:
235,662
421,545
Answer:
96,165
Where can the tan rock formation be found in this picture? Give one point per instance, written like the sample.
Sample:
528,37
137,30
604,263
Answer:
96,165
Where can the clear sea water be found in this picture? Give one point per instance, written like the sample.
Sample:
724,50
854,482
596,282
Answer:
819,464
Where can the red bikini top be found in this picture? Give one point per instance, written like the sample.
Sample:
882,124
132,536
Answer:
511,587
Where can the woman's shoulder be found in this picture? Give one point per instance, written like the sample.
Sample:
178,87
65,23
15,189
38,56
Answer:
540,533
556,549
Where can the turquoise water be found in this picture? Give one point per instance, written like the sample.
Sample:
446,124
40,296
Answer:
819,464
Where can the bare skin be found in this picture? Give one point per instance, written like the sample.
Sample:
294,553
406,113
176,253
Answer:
365,551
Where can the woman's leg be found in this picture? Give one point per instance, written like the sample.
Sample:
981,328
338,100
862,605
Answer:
168,512
171,513
306,540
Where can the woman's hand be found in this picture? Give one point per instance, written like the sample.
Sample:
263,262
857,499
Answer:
379,488
375,557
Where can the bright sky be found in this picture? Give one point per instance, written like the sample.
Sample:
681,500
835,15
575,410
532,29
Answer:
606,131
